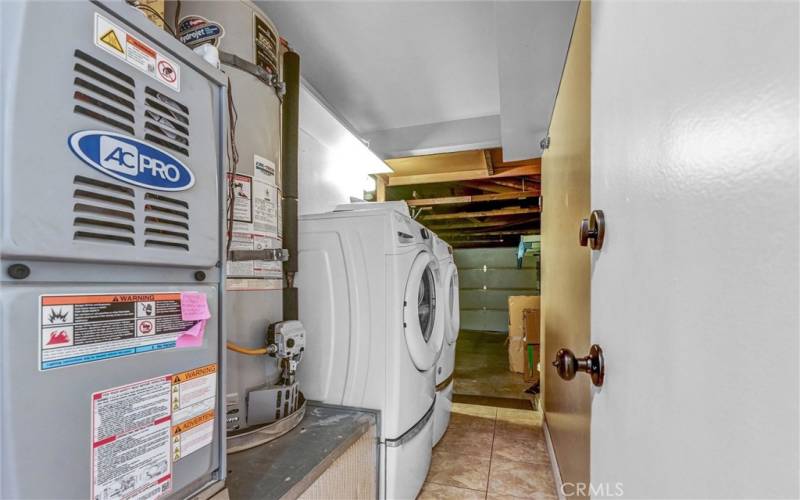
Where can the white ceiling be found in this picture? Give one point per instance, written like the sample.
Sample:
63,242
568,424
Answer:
386,65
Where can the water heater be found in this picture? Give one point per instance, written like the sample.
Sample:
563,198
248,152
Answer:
111,251
249,48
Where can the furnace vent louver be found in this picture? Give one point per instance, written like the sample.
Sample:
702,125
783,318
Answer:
166,222
166,121
103,93
104,212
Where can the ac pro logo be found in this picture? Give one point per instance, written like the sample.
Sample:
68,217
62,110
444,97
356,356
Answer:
130,160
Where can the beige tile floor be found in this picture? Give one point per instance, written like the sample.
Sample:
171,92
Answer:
490,453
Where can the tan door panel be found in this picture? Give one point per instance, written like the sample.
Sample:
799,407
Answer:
565,264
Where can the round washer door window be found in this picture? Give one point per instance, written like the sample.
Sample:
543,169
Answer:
426,303
423,312
453,312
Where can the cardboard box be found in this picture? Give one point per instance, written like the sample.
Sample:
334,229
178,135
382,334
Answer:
517,345
532,372
531,321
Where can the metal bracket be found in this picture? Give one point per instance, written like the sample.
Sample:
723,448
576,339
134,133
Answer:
545,143
271,254
257,71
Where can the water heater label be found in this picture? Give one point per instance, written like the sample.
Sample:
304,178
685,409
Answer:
130,160
77,329
136,52
258,231
196,30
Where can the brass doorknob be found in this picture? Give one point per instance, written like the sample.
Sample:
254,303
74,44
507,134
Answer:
567,365
593,230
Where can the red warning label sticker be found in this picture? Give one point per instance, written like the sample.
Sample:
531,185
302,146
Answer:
76,329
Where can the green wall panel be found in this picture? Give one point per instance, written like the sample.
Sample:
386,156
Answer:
487,277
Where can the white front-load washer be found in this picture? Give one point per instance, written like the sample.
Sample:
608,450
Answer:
369,299
445,367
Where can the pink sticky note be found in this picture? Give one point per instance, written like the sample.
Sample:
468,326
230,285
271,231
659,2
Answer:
188,341
193,337
194,306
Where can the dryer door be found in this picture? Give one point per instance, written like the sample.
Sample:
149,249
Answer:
453,309
423,315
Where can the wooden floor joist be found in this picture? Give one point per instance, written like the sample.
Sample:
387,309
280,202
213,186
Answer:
533,167
502,212
469,225
459,235
476,242
496,224
510,183
460,200
488,186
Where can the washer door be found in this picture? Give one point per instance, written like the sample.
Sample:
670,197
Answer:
423,313
453,309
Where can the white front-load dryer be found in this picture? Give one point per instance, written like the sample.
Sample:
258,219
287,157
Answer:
369,299
445,367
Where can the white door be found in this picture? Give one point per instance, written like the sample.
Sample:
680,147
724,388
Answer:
694,295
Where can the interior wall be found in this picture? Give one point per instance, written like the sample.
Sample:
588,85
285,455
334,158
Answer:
487,277
319,188
325,177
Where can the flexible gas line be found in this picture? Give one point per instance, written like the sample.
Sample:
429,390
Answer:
246,350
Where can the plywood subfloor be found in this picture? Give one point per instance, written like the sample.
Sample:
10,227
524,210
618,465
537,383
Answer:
482,367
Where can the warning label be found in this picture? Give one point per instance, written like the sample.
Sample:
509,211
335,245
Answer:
131,441
193,397
111,39
134,51
259,230
77,329
266,45
140,429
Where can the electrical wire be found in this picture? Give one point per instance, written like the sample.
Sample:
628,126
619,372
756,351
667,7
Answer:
156,13
246,350
233,163
177,17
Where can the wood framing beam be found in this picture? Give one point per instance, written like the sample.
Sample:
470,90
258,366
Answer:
463,235
502,212
487,154
533,167
476,242
496,224
469,225
460,200
488,187
509,183
462,175
380,188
